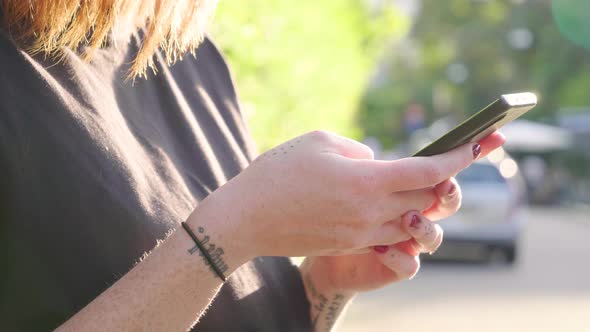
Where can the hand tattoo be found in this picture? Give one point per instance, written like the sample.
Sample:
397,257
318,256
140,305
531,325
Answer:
281,149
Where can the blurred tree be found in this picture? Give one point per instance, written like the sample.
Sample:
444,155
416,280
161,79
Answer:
302,65
462,54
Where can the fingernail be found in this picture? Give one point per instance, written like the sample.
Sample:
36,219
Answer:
415,221
476,149
381,249
452,191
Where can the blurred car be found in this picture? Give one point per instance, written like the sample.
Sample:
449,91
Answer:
491,218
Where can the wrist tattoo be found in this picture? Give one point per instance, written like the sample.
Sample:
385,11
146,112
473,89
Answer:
334,310
324,312
215,253
318,301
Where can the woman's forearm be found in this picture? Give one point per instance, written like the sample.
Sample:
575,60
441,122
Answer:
171,288
327,304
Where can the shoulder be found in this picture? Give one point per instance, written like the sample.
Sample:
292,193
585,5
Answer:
205,79
22,74
213,65
12,59
214,56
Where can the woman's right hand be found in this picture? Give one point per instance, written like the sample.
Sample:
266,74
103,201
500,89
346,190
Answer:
323,194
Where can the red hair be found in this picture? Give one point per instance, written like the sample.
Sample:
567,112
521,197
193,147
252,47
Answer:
50,26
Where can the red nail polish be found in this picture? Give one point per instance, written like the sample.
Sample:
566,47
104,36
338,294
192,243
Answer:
381,249
476,149
415,221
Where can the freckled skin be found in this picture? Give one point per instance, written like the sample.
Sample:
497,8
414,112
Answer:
321,172
335,211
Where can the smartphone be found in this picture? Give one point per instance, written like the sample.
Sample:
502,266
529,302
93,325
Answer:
505,109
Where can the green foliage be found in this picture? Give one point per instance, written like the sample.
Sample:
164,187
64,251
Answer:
480,36
572,19
301,65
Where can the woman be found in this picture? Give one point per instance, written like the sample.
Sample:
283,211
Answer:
98,172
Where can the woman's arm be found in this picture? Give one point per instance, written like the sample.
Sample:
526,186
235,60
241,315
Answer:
171,288
315,195
327,304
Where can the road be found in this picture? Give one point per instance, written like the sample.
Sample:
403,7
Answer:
547,290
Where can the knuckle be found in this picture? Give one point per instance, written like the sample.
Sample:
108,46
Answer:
364,219
355,149
320,135
451,204
353,241
435,243
356,221
363,183
430,231
397,169
365,152
359,242
432,174
428,201
342,242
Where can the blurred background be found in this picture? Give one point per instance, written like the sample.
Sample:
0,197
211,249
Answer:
396,74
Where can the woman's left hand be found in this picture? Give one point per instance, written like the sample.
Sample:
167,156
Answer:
331,281
379,265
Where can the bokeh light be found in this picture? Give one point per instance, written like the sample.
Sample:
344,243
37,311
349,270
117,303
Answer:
571,17
521,38
497,155
508,168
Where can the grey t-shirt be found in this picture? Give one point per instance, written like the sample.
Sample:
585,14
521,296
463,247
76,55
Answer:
95,169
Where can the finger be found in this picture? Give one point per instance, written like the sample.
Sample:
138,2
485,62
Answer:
344,252
389,233
422,172
447,202
426,233
491,142
448,192
410,247
347,147
405,266
419,199
389,206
